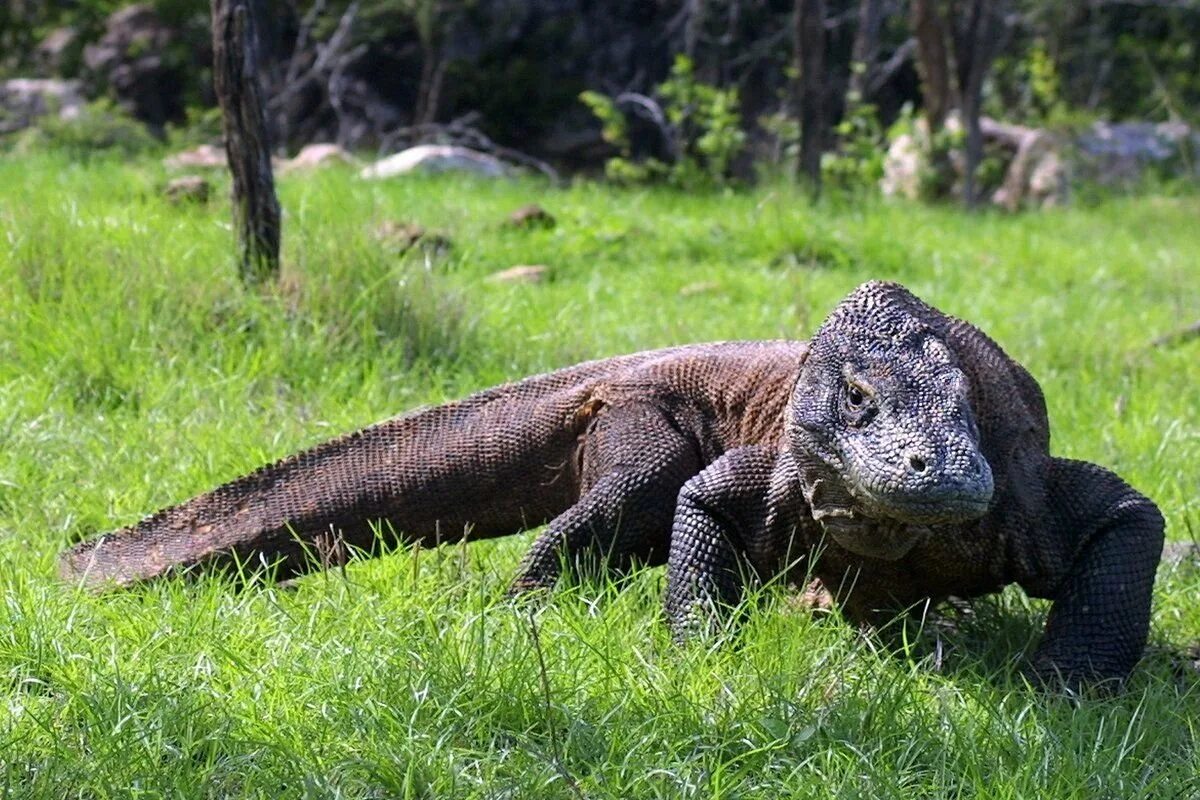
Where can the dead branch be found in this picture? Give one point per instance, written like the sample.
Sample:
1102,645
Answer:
324,62
885,71
1177,336
648,108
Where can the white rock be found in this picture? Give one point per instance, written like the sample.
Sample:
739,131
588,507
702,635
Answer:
320,154
522,273
206,156
437,158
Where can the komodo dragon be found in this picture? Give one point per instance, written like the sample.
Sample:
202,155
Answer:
899,455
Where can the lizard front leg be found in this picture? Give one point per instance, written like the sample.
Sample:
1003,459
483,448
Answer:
1110,538
721,520
635,460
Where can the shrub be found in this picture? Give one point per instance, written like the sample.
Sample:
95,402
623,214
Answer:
701,122
99,127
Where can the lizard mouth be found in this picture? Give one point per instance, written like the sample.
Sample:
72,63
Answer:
954,497
932,506
888,528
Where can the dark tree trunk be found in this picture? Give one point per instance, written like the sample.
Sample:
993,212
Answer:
810,60
932,62
235,78
979,29
866,50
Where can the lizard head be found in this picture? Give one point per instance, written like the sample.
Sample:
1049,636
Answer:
881,420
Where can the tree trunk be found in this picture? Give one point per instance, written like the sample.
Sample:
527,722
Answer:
235,77
810,60
865,51
978,32
932,63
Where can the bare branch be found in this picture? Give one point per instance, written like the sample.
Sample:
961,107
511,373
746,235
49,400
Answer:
648,108
305,33
884,72
326,55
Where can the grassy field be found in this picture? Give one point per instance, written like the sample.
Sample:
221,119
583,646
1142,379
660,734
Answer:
135,371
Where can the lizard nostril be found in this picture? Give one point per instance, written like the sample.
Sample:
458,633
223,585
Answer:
917,463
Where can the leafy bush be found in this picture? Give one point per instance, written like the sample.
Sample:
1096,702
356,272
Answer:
701,122
199,126
857,163
99,127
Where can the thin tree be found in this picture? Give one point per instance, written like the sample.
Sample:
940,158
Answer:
933,63
865,50
235,77
811,86
979,32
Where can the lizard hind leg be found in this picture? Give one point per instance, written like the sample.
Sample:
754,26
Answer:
634,460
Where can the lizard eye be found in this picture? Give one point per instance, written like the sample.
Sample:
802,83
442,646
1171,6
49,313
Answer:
854,397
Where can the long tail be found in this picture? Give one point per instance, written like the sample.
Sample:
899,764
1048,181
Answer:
493,464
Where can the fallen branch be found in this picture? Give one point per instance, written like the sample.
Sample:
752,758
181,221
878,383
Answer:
1175,337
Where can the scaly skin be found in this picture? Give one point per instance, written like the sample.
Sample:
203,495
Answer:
900,456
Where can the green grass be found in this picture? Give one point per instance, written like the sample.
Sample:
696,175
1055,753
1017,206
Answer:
135,371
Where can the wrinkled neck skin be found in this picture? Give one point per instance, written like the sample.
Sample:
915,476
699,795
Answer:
831,504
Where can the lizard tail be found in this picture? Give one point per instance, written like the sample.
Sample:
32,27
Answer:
496,463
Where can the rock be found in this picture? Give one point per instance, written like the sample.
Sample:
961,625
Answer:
23,100
58,52
437,158
314,156
1176,554
130,59
531,216
205,156
188,189
1121,152
404,236
522,273
700,287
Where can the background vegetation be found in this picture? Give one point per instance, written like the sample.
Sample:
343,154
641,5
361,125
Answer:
136,371
515,71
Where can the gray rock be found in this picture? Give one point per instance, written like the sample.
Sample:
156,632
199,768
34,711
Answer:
188,189
23,100
530,216
1121,152
130,58
59,51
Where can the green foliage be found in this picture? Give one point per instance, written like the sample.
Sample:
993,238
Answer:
613,125
1029,88
784,130
702,124
706,121
100,128
857,163
1044,84
199,126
